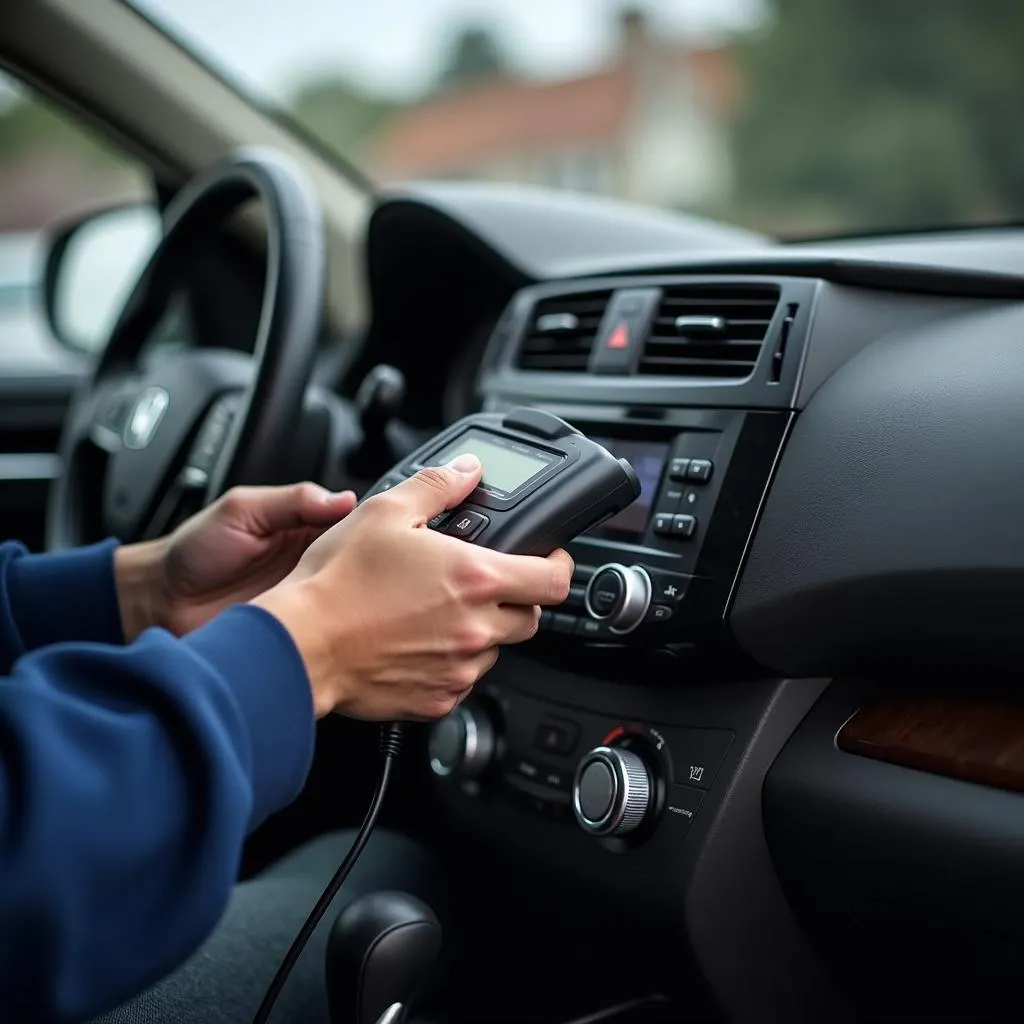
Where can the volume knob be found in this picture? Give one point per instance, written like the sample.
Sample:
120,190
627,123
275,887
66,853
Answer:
462,743
611,793
619,595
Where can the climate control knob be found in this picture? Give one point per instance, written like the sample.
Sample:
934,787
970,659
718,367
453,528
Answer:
462,743
619,595
611,794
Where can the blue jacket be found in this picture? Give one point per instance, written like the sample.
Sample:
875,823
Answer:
129,778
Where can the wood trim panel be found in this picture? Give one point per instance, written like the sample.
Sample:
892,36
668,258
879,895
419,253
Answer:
977,740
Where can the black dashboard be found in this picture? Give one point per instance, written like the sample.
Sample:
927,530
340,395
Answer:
828,442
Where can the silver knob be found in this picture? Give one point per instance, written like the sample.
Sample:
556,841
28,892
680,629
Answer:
461,743
619,595
611,793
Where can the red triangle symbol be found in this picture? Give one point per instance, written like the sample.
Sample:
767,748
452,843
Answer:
619,338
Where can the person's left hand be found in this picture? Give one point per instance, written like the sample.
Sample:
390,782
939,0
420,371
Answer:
244,543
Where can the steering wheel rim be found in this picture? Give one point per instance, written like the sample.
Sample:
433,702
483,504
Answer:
142,436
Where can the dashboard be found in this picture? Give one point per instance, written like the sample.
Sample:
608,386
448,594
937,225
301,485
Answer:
827,439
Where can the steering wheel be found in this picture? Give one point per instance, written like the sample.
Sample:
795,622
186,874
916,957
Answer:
145,437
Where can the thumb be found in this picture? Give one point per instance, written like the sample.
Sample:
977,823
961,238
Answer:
437,488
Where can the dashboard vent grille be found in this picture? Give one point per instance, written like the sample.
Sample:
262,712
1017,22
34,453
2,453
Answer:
561,331
709,331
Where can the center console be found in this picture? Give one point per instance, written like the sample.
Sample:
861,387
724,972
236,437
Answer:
692,382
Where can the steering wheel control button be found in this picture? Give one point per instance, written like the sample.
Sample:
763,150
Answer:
619,596
683,526
678,469
699,470
604,595
556,738
611,791
465,525
663,523
461,743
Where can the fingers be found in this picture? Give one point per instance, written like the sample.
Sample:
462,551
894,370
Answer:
515,625
526,579
267,510
436,488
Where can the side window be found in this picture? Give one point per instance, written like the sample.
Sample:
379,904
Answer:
52,169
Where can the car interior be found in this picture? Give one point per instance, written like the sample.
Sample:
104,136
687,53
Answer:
766,763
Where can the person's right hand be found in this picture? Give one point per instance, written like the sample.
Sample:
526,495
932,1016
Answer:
396,621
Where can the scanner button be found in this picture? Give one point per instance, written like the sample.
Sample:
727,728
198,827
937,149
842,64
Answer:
465,525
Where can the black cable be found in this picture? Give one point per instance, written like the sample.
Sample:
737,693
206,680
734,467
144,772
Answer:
391,745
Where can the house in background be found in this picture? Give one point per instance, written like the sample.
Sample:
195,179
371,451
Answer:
652,128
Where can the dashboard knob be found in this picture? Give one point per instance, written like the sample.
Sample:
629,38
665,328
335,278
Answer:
611,793
619,595
461,743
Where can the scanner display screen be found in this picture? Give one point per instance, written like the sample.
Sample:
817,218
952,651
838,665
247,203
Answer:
508,465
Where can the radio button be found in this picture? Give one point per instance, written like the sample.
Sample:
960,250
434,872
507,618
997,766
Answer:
592,629
564,623
683,526
699,470
663,523
659,613
678,469
575,601
465,525
668,587
556,738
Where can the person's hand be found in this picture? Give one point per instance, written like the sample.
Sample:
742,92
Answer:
396,621
245,542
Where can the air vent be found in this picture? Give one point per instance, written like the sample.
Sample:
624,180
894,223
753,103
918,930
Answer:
709,331
561,331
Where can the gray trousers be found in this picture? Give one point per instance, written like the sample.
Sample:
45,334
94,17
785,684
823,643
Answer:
225,979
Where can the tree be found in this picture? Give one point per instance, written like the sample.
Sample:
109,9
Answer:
340,114
885,112
474,56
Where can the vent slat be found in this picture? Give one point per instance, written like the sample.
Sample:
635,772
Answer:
560,332
732,353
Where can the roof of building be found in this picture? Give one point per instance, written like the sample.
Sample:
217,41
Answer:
514,116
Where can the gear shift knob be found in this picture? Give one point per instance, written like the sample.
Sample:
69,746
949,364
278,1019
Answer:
380,951
378,401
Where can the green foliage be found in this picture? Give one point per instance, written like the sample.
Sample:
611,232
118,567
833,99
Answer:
27,124
340,114
474,57
885,113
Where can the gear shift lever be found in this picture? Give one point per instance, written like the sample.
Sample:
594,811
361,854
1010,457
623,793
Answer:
378,401
379,953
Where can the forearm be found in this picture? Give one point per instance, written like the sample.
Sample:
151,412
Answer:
129,778
56,598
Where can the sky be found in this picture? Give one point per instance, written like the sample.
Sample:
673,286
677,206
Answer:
269,47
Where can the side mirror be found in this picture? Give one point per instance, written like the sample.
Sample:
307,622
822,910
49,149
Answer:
91,267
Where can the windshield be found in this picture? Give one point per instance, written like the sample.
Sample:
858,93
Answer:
794,117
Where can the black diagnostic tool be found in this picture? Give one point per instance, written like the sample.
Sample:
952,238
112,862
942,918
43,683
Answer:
544,482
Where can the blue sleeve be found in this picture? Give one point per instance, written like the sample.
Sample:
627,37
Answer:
46,599
129,778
